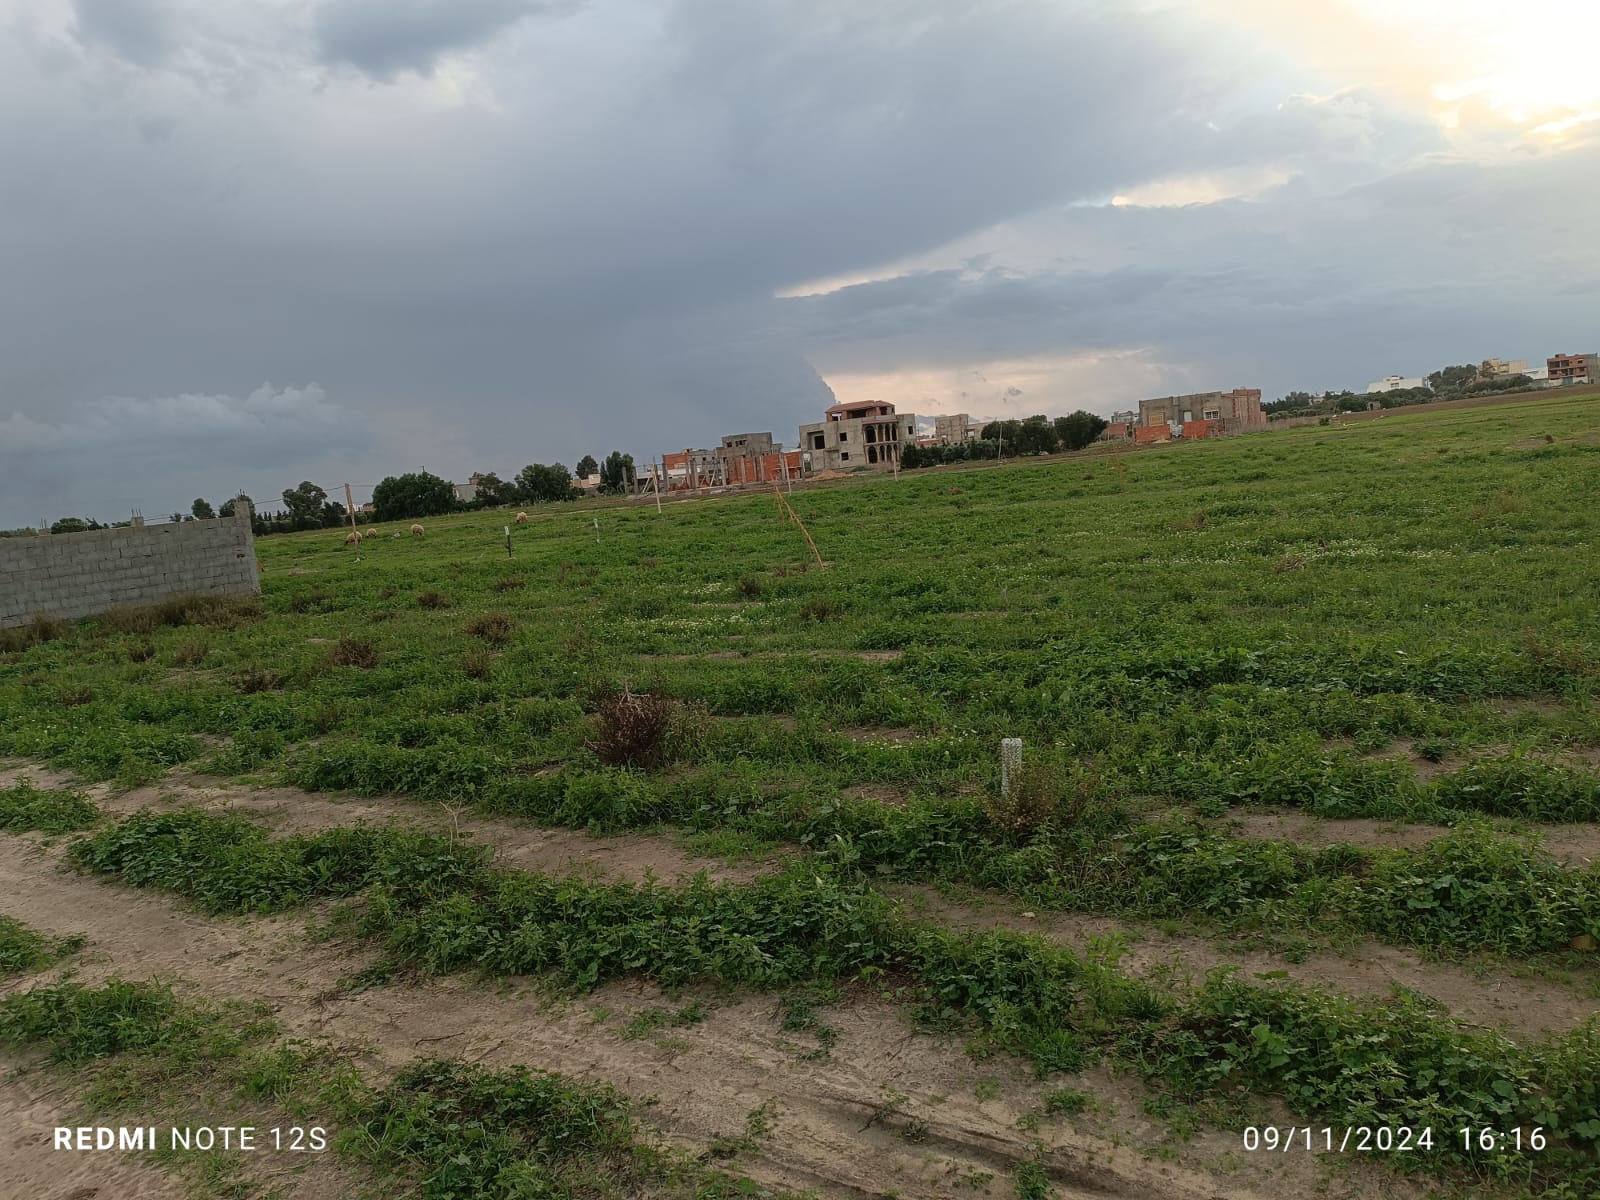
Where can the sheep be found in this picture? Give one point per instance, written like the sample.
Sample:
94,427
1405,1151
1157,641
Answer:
522,518
352,538
416,531
370,533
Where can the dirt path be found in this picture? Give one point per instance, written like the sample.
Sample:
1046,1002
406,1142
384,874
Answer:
842,1122
517,844
31,1105
1575,845
1523,1006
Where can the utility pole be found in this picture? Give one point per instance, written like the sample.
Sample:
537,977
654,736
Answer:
350,507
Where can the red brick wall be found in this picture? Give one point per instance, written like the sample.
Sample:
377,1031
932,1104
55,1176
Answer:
1151,433
1201,429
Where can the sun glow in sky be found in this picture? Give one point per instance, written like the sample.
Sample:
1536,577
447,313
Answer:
1525,62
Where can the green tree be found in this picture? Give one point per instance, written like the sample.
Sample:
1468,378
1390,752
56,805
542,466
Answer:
539,484
1452,381
616,472
334,515
415,494
201,510
72,525
1077,430
305,504
586,467
228,506
493,490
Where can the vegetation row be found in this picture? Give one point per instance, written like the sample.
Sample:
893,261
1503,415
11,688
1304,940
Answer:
437,907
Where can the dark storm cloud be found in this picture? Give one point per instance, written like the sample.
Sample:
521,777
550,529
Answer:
382,37
570,239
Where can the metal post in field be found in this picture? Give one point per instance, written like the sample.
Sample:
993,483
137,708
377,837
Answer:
1010,765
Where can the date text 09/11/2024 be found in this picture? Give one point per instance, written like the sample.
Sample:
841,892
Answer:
1386,1139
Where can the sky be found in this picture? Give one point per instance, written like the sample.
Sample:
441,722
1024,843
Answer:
245,243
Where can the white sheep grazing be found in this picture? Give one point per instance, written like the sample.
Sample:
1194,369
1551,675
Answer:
416,531
370,533
352,538
522,518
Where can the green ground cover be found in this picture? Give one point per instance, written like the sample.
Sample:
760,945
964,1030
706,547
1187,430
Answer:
435,907
1298,618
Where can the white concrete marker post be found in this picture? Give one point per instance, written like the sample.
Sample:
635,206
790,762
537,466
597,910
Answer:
1010,764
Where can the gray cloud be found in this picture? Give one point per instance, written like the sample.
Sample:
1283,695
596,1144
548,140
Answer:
52,458
383,37
571,240
141,31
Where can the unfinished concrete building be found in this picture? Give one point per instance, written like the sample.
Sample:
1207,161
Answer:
1200,414
851,436
741,459
954,429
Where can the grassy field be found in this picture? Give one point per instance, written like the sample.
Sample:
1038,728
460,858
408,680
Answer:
1293,695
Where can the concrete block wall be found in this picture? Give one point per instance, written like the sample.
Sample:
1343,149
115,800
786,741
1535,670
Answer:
73,575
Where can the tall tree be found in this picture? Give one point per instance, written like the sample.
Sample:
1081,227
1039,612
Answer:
539,484
586,467
201,510
414,494
493,490
305,504
616,472
1077,430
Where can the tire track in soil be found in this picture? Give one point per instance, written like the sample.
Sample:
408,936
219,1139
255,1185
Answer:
703,1078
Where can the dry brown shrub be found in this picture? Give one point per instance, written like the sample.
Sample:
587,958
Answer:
255,679
193,650
634,730
353,652
1043,795
496,628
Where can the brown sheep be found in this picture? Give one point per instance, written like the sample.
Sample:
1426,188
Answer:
352,538
522,518
370,533
416,531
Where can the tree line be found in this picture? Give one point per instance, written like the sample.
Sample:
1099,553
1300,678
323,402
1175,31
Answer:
1031,436
397,497
1447,383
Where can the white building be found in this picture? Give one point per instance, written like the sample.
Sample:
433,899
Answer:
1394,383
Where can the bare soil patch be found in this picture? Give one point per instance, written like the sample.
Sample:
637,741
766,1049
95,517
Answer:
840,1120
884,793
890,734
31,1105
1522,1007
1576,845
